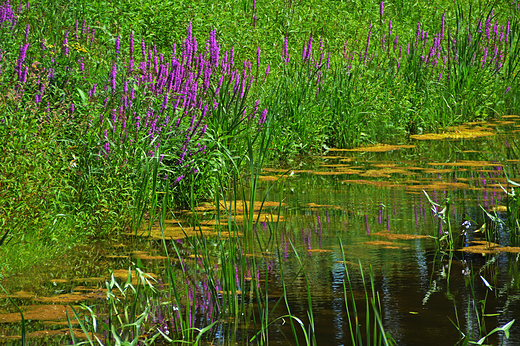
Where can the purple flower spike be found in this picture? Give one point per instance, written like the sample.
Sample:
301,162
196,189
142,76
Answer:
258,58
368,43
131,43
117,45
113,77
66,43
263,116
381,11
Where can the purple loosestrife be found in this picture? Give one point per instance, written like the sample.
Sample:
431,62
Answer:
328,60
83,27
143,49
381,11
255,109
231,57
368,44
66,43
113,75
106,147
285,55
117,46
92,91
389,29
263,117
258,51
488,24
307,50
27,33
21,60
418,33
442,25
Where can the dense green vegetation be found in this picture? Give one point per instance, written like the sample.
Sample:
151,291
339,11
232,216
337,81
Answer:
106,107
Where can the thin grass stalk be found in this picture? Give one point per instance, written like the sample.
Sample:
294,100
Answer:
284,296
311,332
355,337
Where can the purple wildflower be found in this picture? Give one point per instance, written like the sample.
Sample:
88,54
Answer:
117,45
113,77
368,43
66,43
263,116
258,58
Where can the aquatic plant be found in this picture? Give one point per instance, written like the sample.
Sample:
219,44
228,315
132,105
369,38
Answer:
374,332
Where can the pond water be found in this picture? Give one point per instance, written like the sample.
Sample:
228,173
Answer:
373,200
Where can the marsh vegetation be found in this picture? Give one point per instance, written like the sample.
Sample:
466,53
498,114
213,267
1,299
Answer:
281,172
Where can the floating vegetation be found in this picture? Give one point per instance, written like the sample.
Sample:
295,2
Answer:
392,236
439,186
466,163
378,148
38,313
460,132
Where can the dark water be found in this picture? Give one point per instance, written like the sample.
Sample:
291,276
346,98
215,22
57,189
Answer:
422,287
361,199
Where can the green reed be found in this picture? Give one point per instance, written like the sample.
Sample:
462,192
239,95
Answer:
374,333
476,313
444,235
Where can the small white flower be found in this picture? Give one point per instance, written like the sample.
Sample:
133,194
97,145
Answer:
73,163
